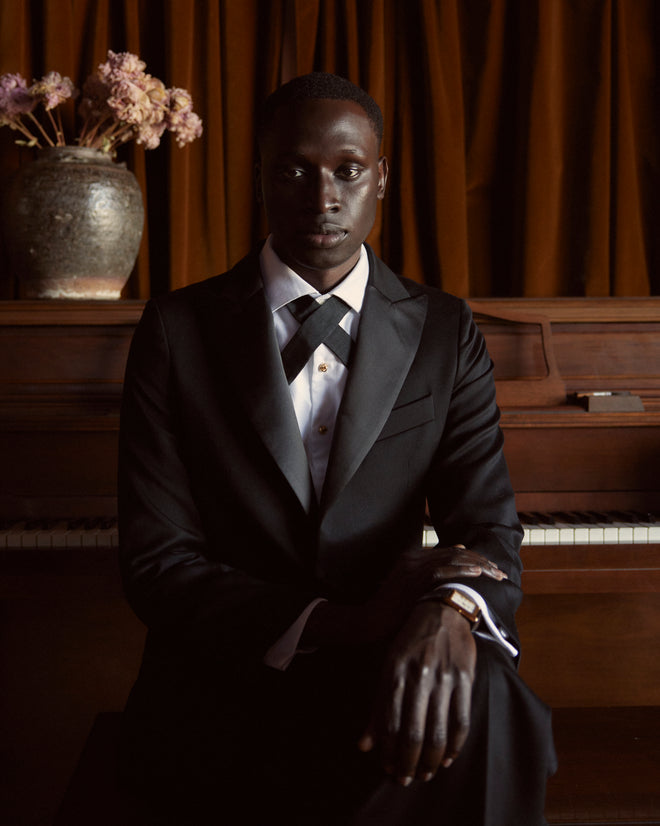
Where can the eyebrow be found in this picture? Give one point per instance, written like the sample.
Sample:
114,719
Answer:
294,154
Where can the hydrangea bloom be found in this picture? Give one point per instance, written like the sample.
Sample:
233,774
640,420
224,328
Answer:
52,90
120,102
15,100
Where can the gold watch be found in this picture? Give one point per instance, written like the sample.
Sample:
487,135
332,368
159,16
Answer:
462,603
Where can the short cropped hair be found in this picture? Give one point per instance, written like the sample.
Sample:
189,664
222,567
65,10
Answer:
318,86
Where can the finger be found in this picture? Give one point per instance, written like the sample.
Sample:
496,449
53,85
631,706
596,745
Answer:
461,568
475,560
385,720
366,742
435,744
456,560
459,719
410,743
390,725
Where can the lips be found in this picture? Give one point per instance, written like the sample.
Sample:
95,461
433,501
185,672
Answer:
324,235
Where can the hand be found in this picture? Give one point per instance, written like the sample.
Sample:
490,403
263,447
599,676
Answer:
421,716
415,574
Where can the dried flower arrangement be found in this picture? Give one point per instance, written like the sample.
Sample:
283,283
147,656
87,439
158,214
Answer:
119,103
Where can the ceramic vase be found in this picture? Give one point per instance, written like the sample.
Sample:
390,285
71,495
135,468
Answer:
72,221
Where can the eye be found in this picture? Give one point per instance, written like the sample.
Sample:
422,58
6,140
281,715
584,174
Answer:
349,172
292,173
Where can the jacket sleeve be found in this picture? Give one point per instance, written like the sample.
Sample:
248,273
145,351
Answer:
470,497
171,581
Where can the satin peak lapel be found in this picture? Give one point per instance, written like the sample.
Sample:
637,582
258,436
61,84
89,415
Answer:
390,330
247,342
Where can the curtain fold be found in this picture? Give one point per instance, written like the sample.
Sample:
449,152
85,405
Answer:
522,134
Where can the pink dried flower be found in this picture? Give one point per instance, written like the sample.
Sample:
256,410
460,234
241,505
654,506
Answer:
52,90
129,102
120,102
94,102
15,99
180,101
181,120
187,129
149,135
121,64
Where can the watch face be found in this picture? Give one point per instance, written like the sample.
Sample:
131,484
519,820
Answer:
464,605
463,601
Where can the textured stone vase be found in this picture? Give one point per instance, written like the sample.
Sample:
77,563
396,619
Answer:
72,222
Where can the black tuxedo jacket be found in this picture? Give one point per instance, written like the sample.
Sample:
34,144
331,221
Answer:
222,540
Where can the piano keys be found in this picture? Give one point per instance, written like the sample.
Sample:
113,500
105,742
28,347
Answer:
586,528
582,528
59,533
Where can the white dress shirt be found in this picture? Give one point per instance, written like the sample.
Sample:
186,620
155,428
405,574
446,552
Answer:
316,393
317,390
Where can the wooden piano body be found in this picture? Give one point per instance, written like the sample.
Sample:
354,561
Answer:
590,621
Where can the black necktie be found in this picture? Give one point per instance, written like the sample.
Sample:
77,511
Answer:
319,324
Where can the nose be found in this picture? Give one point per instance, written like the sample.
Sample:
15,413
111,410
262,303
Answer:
323,194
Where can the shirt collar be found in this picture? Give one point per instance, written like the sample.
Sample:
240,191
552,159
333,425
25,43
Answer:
283,285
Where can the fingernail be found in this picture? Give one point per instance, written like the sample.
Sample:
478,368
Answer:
447,762
405,781
427,776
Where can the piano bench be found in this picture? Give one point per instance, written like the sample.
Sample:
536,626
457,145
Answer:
609,772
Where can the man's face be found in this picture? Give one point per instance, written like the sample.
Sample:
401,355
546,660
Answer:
320,179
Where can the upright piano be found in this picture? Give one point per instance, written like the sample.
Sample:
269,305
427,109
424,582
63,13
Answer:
578,383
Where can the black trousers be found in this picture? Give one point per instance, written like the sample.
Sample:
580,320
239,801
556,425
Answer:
288,756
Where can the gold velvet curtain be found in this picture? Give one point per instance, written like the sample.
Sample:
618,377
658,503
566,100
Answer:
522,134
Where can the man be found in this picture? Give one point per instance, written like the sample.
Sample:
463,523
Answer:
307,662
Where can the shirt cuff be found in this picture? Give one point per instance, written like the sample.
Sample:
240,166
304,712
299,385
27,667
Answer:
489,630
281,653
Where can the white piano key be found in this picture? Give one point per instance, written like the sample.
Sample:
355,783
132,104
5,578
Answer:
90,536
73,535
536,535
610,534
30,535
640,533
566,527
107,537
595,533
552,535
58,534
13,535
625,534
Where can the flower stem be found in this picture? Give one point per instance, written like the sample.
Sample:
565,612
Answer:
45,134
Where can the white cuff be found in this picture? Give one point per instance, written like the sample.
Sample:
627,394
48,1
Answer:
493,632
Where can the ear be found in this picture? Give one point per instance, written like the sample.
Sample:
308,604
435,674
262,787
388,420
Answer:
383,172
257,183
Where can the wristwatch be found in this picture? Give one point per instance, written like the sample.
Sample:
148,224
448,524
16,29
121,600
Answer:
462,603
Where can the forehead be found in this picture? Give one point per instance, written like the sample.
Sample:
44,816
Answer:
311,126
